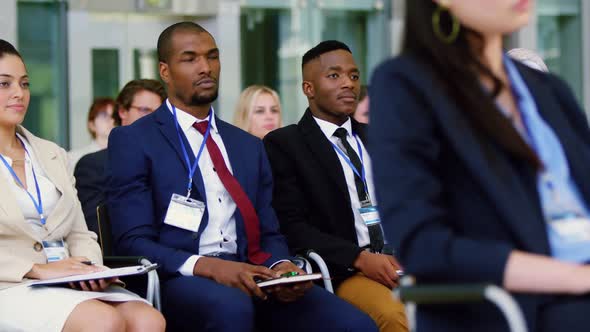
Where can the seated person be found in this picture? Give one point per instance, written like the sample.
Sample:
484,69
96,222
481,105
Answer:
258,110
39,209
322,181
192,193
137,99
100,123
481,169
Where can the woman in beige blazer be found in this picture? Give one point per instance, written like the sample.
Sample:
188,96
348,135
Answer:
38,207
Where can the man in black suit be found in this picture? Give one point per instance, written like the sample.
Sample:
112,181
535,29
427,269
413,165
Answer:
137,99
324,186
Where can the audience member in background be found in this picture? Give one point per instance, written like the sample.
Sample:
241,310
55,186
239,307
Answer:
43,234
481,167
529,58
258,110
361,114
100,123
137,99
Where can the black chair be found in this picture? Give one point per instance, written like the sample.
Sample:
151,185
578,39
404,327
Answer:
105,238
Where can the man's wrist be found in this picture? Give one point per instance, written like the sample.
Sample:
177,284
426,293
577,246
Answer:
358,262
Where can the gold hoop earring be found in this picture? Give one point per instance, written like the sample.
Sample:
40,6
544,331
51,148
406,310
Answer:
451,37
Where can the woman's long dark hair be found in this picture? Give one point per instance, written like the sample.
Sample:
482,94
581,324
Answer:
457,66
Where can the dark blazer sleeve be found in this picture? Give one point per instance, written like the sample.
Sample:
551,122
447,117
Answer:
90,181
405,145
130,203
272,241
292,209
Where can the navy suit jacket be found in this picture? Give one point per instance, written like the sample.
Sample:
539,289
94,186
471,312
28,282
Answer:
146,166
90,181
455,204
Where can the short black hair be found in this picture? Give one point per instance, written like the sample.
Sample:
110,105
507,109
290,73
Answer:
7,48
323,47
166,37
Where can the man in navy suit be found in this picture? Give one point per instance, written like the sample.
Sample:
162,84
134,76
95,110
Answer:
193,193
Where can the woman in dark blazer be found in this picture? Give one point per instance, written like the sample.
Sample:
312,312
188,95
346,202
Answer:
480,166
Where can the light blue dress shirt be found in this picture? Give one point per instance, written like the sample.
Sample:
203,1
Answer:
559,194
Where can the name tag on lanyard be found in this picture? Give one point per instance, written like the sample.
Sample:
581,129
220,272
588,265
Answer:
55,250
571,228
185,212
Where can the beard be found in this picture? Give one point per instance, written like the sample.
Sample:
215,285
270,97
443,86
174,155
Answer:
198,100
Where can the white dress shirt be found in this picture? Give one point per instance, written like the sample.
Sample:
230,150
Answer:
49,193
220,234
328,128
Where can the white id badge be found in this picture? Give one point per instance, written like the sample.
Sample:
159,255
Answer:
185,213
370,215
572,228
55,250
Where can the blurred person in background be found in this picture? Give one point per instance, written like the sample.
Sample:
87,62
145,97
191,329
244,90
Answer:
137,99
529,58
362,110
100,123
481,168
258,110
43,234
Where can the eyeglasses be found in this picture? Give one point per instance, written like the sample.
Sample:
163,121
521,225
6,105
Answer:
143,109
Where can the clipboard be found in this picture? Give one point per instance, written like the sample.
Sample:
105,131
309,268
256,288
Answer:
288,280
106,274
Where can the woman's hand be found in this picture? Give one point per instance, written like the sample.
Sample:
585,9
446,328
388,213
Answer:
66,267
93,285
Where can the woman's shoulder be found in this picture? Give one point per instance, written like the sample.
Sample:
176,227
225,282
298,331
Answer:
40,144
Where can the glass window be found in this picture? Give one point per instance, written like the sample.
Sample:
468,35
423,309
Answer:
105,73
42,43
559,28
274,40
145,64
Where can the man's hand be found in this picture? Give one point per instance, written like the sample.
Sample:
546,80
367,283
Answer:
234,274
378,267
63,268
289,292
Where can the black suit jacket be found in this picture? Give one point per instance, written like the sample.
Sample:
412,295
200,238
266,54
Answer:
311,197
455,204
90,181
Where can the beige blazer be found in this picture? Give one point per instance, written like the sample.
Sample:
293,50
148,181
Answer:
19,244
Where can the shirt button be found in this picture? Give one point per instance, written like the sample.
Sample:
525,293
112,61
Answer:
37,246
219,199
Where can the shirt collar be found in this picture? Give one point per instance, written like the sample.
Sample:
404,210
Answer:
186,120
328,128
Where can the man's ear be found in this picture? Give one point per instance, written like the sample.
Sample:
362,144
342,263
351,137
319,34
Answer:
308,89
164,72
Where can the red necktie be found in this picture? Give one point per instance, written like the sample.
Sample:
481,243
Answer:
255,253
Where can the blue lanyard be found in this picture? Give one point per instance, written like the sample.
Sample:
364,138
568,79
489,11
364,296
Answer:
191,170
362,174
38,206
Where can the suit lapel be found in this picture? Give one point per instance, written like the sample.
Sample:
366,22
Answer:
10,207
323,150
496,174
167,127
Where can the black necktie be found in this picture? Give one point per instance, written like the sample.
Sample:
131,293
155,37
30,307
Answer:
375,231
341,133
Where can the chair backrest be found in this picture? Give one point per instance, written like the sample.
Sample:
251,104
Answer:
105,237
